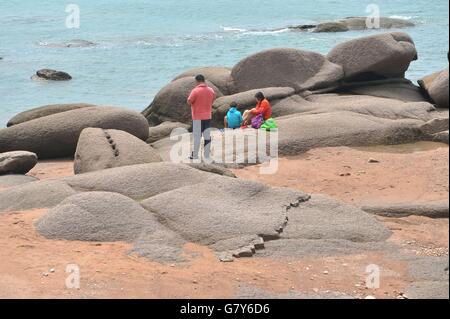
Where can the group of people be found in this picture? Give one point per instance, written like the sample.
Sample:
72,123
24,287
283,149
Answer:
201,100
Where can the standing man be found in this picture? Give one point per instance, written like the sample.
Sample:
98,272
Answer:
201,100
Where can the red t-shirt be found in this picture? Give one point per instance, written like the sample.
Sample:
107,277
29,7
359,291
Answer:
201,100
263,108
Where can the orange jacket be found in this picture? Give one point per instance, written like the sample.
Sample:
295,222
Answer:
263,108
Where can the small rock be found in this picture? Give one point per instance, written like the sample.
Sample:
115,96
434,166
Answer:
226,257
52,270
52,75
316,290
325,272
373,160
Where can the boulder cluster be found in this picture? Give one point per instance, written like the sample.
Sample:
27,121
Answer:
124,188
356,94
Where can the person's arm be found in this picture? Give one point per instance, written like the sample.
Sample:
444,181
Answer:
256,110
191,98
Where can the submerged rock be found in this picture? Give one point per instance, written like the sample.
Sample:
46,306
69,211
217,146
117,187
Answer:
355,23
51,75
77,43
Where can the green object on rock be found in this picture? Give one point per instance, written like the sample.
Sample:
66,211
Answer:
269,125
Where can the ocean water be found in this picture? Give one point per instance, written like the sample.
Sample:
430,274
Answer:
142,44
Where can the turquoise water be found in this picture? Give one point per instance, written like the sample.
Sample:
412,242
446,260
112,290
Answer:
143,44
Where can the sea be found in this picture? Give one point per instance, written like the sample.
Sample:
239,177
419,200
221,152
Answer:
141,45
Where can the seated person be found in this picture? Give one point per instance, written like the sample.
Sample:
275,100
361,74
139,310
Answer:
233,119
262,107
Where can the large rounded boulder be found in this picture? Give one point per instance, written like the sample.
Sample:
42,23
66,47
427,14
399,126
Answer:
301,70
45,110
436,85
56,136
219,76
380,56
100,149
170,104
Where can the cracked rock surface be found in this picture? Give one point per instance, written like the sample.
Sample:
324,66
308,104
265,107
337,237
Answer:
159,207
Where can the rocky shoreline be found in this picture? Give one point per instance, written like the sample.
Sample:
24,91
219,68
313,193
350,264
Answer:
125,188
353,24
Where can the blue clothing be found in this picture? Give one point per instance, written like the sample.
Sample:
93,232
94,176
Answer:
234,118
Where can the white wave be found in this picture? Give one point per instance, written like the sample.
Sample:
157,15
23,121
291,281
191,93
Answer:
231,29
267,32
401,17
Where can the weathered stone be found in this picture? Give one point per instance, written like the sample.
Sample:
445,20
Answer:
41,194
439,209
18,162
45,111
361,104
8,181
439,90
170,104
301,70
380,56
56,135
219,76
348,223
401,90
212,211
331,27
99,149
164,130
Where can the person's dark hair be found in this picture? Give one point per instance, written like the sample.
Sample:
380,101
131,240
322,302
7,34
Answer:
234,104
260,96
200,78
